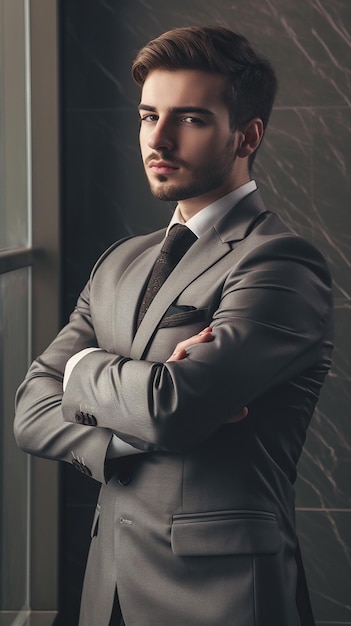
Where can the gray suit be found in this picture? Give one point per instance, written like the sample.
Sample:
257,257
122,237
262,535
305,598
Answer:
199,530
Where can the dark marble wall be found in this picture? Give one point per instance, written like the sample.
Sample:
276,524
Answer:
304,173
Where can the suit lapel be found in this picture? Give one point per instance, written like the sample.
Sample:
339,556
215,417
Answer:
204,253
240,221
208,250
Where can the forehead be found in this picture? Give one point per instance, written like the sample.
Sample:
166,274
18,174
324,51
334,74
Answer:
180,88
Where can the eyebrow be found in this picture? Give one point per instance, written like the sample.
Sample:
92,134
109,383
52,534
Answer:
184,109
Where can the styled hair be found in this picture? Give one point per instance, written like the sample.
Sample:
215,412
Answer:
251,84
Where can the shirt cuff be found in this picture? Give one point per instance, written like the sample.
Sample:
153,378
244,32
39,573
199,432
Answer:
72,362
118,447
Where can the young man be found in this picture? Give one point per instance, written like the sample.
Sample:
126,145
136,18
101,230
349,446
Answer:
195,520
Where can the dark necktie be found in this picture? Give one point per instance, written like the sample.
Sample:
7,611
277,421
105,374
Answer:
177,242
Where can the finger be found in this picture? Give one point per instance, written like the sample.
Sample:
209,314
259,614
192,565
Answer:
180,349
177,355
201,337
239,416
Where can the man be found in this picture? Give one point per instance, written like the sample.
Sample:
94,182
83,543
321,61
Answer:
195,519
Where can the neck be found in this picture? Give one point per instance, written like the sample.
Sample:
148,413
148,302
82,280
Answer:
189,207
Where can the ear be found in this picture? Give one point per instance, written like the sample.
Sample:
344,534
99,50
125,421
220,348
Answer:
251,135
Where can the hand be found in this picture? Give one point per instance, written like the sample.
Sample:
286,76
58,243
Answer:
180,350
239,416
180,353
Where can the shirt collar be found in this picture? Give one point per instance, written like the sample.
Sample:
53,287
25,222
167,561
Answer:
209,215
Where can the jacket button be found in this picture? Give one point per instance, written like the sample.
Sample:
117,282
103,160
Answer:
124,479
81,467
85,418
85,470
90,420
79,417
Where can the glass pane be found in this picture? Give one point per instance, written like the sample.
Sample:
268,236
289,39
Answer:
14,464
14,114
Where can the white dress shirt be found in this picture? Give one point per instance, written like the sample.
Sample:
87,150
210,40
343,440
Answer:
209,215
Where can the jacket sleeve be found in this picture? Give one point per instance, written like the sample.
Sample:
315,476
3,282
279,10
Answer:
39,426
272,323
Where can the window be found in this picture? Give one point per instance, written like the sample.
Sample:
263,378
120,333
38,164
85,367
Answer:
28,289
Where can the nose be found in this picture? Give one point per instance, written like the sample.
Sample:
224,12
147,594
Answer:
161,137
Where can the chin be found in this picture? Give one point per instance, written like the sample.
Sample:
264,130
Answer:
165,193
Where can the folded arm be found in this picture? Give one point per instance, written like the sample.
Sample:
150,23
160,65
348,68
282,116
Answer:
39,426
268,328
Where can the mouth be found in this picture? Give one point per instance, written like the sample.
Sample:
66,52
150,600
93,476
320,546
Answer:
162,167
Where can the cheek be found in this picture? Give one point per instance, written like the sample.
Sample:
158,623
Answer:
204,152
143,139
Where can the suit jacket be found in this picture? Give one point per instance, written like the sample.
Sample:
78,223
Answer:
200,529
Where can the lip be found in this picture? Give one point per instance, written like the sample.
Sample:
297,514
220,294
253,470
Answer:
162,167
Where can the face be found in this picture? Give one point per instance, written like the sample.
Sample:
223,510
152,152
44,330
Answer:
187,146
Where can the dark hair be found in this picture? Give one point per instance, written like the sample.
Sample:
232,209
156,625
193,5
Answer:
252,83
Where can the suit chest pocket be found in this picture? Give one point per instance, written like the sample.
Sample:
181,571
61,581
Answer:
183,315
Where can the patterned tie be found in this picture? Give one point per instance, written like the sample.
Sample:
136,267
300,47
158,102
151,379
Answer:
177,242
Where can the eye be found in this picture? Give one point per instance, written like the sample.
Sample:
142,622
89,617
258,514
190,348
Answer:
189,119
149,117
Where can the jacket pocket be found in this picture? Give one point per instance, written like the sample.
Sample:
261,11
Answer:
95,524
233,532
179,316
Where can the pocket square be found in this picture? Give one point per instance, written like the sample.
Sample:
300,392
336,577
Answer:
180,315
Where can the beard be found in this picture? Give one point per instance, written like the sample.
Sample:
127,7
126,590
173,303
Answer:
202,180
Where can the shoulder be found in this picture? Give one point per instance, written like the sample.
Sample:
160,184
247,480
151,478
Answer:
254,232
126,249
272,239
278,266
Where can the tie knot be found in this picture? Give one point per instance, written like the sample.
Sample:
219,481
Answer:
178,240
